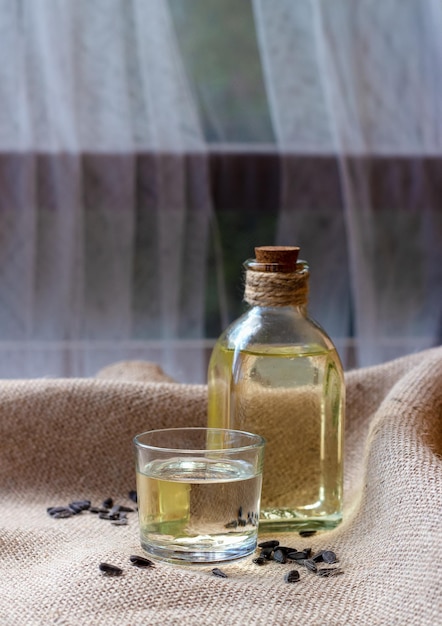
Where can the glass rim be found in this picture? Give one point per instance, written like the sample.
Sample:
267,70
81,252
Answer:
258,442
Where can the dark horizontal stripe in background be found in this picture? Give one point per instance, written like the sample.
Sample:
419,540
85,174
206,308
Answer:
255,180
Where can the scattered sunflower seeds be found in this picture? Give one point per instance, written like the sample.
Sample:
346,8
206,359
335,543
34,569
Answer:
251,519
292,576
219,573
110,570
115,513
271,550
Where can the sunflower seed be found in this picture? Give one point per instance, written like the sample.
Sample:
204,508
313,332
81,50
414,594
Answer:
62,514
84,505
120,508
286,549
267,553
310,565
260,560
298,556
217,572
120,522
96,510
110,570
268,544
330,571
329,557
114,510
133,495
108,503
54,511
109,516
292,576
279,556
126,509
325,556
140,561
318,557
75,508
307,533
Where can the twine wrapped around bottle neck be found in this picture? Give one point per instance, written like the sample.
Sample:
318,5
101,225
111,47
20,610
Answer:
264,288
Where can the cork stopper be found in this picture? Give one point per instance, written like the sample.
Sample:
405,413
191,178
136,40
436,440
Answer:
276,258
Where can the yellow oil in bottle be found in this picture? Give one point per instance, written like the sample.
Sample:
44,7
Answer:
292,395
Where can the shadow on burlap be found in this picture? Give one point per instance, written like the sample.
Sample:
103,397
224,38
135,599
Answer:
62,440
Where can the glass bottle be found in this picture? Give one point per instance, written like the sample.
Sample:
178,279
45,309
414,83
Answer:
275,372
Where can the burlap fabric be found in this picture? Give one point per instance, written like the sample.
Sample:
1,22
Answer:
67,439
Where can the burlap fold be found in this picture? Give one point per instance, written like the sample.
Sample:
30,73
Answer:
62,440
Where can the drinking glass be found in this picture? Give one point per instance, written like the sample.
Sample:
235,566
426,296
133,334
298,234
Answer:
199,493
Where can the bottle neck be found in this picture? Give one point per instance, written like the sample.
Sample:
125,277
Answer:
277,289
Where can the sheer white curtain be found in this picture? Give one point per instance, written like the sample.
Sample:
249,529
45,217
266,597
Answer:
106,185
104,205
363,81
